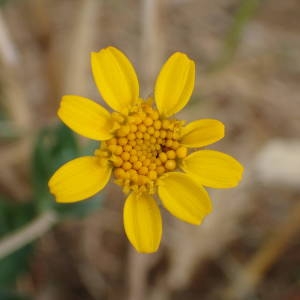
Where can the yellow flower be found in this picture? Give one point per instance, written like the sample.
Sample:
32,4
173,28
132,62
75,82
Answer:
143,149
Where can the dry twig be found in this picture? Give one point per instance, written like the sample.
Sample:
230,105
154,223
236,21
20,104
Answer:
28,233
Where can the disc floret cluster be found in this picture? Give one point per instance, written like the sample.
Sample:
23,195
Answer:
143,148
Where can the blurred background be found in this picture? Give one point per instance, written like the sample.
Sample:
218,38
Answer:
247,54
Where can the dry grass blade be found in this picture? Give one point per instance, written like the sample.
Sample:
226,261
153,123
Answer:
247,280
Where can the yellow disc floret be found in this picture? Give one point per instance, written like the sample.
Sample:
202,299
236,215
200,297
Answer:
143,148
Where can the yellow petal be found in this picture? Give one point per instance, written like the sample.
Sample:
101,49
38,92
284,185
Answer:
142,222
202,133
115,78
213,169
79,179
183,198
85,117
174,84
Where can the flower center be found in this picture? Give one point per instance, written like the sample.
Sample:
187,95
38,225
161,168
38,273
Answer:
144,147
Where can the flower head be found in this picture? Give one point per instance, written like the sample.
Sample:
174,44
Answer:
144,149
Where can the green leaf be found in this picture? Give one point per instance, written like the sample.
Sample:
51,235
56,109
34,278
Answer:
53,147
12,217
2,2
10,295
14,265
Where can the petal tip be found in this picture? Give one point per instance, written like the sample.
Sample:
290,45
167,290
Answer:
213,169
79,179
146,251
174,84
202,132
142,223
115,77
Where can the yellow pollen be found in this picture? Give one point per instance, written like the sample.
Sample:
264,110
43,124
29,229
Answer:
152,166
169,143
117,161
137,165
181,152
122,141
146,162
142,180
148,121
160,170
143,148
146,136
175,145
156,134
133,173
117,117
112,148
139,135
142,158
152,175
119,173
142,128
112,141
131,136
132,143
163,156
133,128
176,135
127,165
165,124
157,124
118,150
133,158
127,148
169,134
138,120
125,156
170,164
123,131
171,154
155,115
143,170
153,141
151,130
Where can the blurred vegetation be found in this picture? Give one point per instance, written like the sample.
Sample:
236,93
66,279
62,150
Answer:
12,218
2,2
53,147
241,17
249,81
